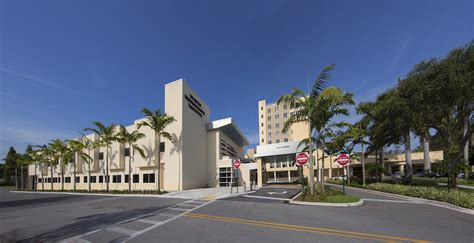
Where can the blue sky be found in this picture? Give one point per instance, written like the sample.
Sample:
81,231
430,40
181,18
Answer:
65,64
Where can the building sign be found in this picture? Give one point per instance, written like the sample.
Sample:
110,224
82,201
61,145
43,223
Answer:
194,105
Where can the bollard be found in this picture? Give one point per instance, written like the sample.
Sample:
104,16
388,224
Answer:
245,186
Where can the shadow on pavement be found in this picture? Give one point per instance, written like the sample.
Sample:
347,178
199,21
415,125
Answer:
86,224
36,201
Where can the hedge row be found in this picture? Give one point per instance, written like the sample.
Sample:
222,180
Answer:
456,197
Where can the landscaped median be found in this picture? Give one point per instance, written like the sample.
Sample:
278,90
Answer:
330,197
422,188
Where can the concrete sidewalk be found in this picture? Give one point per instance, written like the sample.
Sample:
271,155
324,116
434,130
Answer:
207,193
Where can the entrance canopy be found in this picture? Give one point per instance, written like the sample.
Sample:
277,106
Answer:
277,149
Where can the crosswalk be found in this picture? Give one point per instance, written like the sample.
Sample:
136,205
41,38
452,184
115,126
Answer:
131,228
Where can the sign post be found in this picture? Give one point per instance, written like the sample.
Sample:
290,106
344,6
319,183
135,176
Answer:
236,167
343,160
301,159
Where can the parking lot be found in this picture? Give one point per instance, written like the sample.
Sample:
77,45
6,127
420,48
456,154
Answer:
37,217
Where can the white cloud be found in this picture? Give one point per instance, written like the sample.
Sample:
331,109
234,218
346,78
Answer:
48,83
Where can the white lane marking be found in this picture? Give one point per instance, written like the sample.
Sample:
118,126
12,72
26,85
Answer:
179,209
270,198
148,221
79,237
122,230
164,222
277,193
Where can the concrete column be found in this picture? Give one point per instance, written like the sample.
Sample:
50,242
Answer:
274,176
330,166
389,169
402,169
289,176
259,172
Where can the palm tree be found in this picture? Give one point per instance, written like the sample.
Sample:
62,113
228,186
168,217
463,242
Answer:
59,150
314,109
43,157
76,148
25,159
89,145
107,135
130,138
158,122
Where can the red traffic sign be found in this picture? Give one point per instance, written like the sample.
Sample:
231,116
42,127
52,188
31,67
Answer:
343,159
301,158
236,163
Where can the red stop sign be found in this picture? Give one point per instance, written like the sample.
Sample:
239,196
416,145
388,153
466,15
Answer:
236,163
343,159
301,158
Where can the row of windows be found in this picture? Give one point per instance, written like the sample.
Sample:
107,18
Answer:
277,108
277,141
269,118
127,151
146,178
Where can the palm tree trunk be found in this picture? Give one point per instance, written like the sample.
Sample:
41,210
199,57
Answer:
157,143
426,154
107,168
408,163
130,167
62,175
311,166
16,179
466,148
89,173
52,177
42,178
22,181
74,174
363,164
35,179
322,168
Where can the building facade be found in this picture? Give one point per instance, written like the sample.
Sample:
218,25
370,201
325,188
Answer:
200,155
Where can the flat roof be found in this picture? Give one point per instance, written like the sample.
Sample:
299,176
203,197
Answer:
229,128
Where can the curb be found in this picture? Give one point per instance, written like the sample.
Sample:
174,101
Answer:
102,194
435,203
343,205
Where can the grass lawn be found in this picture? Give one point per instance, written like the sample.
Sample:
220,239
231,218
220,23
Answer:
329,196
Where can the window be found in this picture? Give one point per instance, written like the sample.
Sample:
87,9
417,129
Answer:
101,179
78,179
101,155
285,115
39,180
277,116
277,108
67,179
277,125
277,133
162,147
285,107
277,141
269,141
262,132
269,110
261,116
262,124
126,179
261,108
269,134
55,179
116,178
136,178
127,152
85,179
263,140
149,178
93,179
269,127
285,140
269,118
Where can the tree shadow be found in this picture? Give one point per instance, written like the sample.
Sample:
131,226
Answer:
89,223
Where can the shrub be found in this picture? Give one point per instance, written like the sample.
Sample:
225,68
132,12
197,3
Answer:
456,197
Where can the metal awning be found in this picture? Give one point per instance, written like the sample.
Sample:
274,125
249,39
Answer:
230,129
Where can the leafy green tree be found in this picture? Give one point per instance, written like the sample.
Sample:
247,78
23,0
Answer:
58,148
10,167
76,149
157,121
131,138
317,109
107,135
24,160
89,145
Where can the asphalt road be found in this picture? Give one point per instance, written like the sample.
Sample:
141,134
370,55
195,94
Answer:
42,217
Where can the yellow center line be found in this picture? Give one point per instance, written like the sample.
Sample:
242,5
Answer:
308,229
